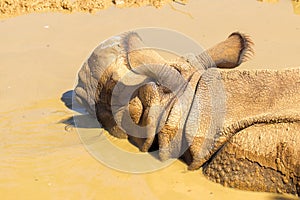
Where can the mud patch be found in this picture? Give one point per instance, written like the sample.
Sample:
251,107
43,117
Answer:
9,8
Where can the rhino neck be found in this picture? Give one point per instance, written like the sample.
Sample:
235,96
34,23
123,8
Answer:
259,97
255,92
251,97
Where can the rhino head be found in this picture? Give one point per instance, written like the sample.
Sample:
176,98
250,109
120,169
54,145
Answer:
198,108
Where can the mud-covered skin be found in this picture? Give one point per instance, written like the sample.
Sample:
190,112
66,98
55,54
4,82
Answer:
252,97
259,151
247,162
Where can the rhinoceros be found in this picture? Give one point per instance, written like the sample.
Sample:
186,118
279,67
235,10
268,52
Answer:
241,126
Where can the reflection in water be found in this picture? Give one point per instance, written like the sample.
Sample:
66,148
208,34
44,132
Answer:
295,3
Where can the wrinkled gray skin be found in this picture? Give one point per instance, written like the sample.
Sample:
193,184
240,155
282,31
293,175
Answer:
241,126
261,156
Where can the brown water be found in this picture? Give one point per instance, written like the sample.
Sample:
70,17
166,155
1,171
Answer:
40,55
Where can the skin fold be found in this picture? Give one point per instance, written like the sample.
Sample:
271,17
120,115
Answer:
241,126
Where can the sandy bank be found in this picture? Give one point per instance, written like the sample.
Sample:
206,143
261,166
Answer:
9,8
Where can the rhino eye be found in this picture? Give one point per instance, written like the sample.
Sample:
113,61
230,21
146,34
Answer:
165,89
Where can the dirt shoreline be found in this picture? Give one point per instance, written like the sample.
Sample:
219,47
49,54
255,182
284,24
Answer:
11,8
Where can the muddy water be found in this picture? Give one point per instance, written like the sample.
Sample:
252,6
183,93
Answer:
40,55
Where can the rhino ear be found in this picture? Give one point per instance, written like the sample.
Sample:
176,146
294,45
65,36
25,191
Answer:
131,41
138,53
237,48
